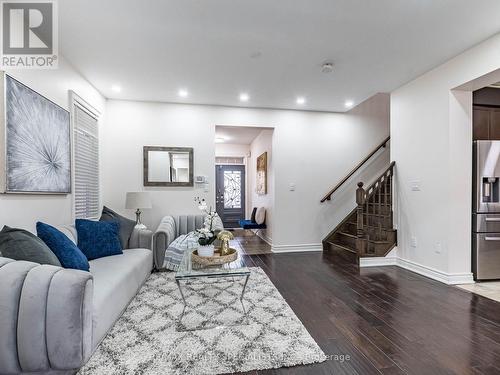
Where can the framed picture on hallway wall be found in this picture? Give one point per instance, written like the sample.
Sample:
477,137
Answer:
262,174
37,138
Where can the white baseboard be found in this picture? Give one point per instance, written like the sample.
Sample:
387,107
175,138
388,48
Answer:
447,278
261,235
296,248
378,261
391,260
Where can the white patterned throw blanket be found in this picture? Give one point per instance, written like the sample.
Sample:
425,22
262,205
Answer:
185,242
176,250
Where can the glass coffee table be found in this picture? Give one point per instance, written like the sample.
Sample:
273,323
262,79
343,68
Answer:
188,272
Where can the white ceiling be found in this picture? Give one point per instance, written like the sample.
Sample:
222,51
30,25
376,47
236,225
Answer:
271,50
239,135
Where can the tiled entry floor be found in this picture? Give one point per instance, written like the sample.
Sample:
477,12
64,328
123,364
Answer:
246,242
488,289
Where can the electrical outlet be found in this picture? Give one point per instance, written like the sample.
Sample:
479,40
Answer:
413,241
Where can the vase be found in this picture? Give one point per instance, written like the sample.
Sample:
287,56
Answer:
206,250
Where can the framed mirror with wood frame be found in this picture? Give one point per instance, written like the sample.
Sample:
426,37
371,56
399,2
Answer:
168,166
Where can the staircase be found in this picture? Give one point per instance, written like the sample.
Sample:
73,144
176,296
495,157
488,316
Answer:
368,230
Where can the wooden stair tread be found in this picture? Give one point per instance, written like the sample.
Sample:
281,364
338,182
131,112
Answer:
343,247
372,226
347,234
378,242
372,214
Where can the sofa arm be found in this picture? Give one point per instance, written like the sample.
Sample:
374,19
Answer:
45,317
162,238
141,239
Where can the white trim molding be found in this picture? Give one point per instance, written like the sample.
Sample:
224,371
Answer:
390,259
378,261
296,248
447,278
263,236
393,260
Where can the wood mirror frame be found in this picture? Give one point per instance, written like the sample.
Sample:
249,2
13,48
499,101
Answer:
148,149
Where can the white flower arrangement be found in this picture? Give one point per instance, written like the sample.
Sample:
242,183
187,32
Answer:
206,235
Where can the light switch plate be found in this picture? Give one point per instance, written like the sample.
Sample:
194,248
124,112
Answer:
415,185
438,248
292,187
413,241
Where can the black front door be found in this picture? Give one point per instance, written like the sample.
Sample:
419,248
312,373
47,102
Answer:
230,194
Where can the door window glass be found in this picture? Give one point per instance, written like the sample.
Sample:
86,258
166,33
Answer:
232,189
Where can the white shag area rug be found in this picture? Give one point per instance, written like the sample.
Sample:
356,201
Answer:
145,340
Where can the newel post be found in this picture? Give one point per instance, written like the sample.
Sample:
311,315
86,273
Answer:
360,231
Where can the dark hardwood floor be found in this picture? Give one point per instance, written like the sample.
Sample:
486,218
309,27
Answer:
387,320
247,242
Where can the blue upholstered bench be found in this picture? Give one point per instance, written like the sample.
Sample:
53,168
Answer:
249,224
252,223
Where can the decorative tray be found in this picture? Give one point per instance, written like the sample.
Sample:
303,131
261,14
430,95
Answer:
216,259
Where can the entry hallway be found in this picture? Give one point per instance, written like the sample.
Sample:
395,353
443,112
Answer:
248,243
389,321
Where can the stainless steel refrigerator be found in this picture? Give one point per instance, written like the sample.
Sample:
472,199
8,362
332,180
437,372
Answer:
486,210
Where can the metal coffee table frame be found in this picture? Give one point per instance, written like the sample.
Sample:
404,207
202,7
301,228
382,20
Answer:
230,270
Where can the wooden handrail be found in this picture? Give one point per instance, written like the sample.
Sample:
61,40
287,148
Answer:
328,196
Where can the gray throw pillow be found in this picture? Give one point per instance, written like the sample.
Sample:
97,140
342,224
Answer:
126,225
19,244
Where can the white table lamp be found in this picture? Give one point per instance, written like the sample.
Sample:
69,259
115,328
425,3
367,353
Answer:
138,200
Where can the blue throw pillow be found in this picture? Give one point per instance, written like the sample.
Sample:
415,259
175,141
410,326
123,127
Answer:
98,239
65,250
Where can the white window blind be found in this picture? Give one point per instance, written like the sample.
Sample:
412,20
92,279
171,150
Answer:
86,164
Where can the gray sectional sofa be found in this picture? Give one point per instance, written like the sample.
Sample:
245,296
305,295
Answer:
52,319
169,229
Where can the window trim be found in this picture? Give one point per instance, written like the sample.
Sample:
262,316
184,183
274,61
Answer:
77,101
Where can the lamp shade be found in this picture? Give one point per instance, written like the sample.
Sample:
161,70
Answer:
138,200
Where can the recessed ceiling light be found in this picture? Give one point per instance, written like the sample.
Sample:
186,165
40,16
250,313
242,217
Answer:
244,97
220,140
116,88
349,103
301,100
183,93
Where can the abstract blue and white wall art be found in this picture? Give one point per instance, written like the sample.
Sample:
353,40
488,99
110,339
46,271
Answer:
38,143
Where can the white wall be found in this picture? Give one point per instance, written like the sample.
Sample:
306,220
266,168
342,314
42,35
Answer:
314,150
431,130
230,149
262,143
24,210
